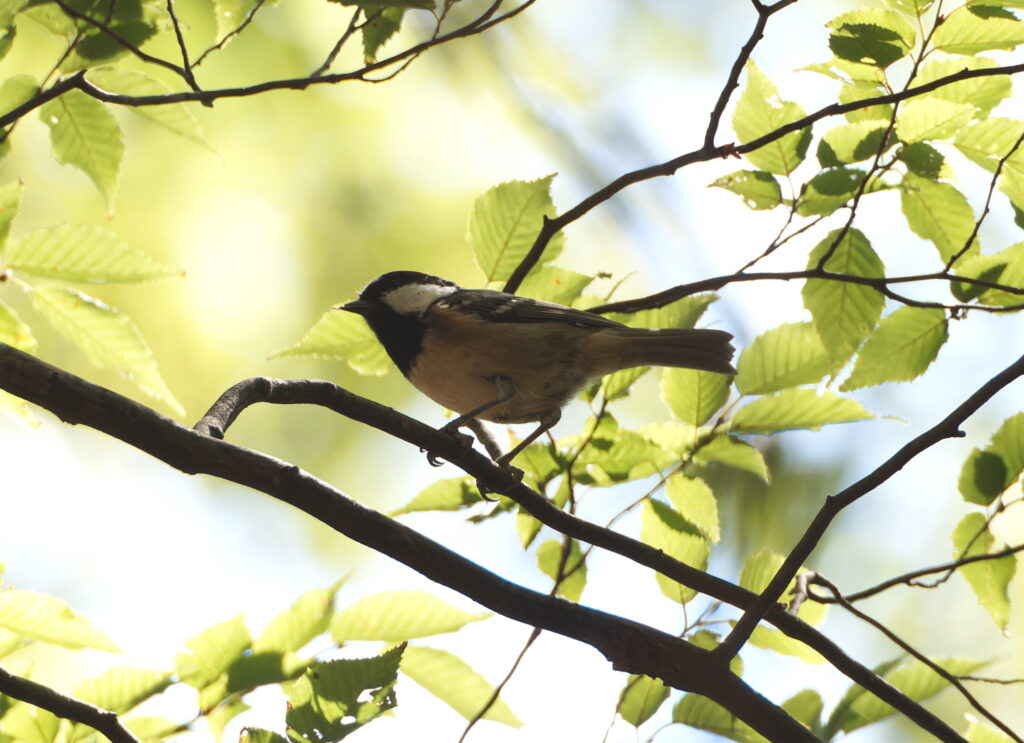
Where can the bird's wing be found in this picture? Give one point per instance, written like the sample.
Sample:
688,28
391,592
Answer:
497,306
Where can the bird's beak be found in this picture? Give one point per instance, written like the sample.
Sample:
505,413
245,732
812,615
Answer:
357,306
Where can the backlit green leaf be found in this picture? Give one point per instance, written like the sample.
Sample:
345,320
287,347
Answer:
988,472
768,638
969,30
554,284
175,117
988,141
14,332
86,135
505,222
693,395
758,189
694,501
733,452
760,110
259,735
212,651
83,253
786,356
10,204
573,568
380,26
120,689
901,349
931,118
28,724
985,93
922,159
108,338
443,495
48,619
990,579
844,313
640,699
701,713
978,733
294,627
394,616
664,529
796,409
831,189
452,681
343,336
850,143
871,36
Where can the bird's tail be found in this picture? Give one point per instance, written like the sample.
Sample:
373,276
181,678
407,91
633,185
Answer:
709,350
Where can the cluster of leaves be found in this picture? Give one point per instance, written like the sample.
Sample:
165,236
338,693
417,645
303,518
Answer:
327,696
40,263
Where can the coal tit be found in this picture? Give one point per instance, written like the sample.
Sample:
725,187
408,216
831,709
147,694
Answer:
497,357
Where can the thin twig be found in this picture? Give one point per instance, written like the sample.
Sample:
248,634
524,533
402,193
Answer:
336,49
186,67
232,33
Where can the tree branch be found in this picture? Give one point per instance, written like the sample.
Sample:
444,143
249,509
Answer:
65,707
76,401
948,427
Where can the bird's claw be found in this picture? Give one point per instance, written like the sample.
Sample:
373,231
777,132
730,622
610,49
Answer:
514,472
465,443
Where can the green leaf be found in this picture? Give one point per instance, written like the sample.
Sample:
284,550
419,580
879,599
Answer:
759,569
733,452
969,30
860,90
10,204
988,141
549,558
218,718
212,651
760,110
1005,267
120,689
990,579
86,135
443,495
132,21
108,338
554,284
640,699
758,189
692,395
844,313
83,253
701,713
293,628
665,530
379,27
932,118
345,337
48,619
984,93
914,679
505,222
612,454
831,189
683,313
14,332
16,90
449,679
978,733
901,349
251,670
175,117
805,706
796,409
229,14
922,159
151,727
940,213
871,36
990,471
913,8
850,143
27,724
785,356
399,615
259,735
694,501
332,699
779,642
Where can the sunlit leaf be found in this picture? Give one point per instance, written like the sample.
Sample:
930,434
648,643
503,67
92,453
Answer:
345,337
693,500
120,689
48,619
640,699
259,735
26,723
665,530
452,681
10,204
14,332
978,733
988,472
554,284
805,706
83,253
990,579
701,713
922,159
733,452
970,29
292,628
796,409
572,567
777,641
760,110
901,349
758,189
394,616
381,25
850,143
443,495
505,222
930,118
692,395
108,338
212,651
786,356
175,117
831,189
229,14
984,93
844,312
86,135
988,141
871,36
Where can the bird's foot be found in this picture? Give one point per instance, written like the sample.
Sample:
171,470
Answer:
465,443
514,472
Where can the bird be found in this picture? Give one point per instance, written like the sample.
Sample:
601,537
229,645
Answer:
488,355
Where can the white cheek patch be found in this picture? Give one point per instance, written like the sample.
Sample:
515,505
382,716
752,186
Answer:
414,298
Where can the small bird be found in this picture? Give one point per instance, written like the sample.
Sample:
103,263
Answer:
493,356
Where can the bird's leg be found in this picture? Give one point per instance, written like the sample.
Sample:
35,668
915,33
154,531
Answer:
547,422
506,390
